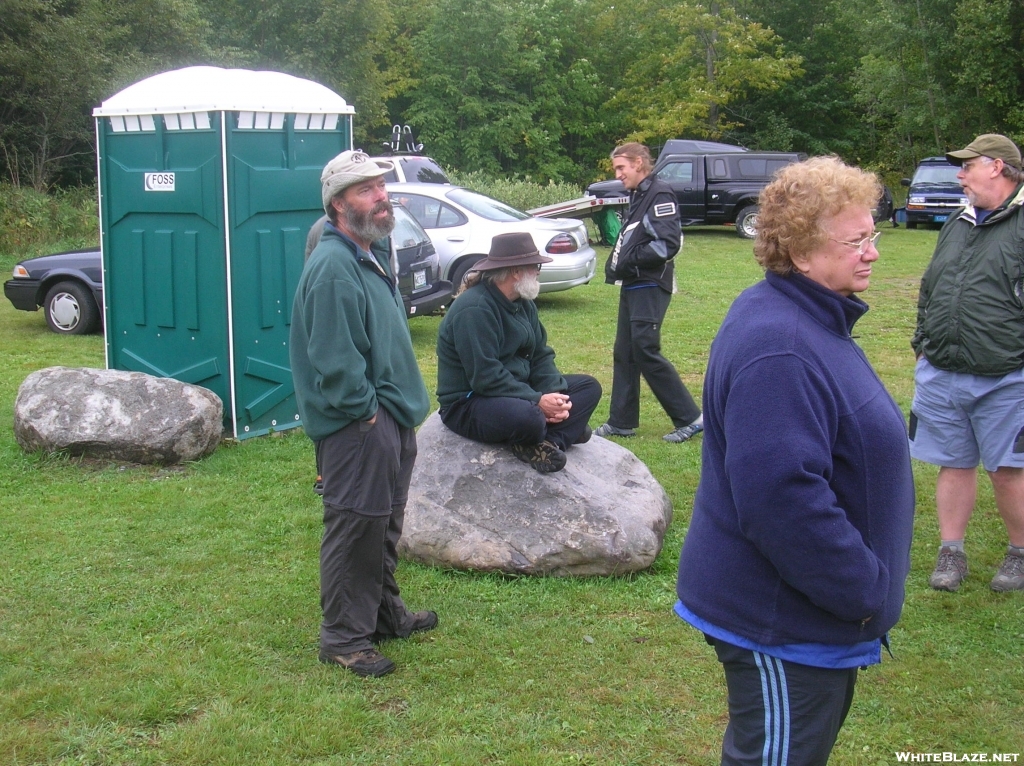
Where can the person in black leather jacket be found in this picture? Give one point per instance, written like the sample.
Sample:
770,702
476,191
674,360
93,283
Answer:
642,262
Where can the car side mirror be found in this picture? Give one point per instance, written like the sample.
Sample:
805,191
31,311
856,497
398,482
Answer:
904,182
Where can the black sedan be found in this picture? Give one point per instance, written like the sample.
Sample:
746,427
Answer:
67,285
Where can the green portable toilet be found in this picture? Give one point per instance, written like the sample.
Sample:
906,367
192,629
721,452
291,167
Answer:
209,180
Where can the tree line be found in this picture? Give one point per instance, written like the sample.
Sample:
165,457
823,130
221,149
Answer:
540,89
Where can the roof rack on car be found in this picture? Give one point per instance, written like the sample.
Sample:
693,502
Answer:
402,141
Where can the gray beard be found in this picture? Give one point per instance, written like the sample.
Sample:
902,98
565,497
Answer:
363,225
528,287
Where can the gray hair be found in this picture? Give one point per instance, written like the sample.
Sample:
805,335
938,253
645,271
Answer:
1012,173
1009,171
492,276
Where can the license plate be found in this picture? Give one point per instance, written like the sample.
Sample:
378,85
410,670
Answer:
419,279
940,218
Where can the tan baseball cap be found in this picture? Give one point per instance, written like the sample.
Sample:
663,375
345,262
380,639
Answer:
992,145
349,167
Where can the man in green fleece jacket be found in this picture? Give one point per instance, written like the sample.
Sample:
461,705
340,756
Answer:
496,375
360,394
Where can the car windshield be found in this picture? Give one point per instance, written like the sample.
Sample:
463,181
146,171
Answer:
424,170
485,207
936,174
407,232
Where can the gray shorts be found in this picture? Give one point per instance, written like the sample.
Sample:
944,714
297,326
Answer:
958,420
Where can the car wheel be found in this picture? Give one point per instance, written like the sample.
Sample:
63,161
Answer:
911,224
70,309
462,268
746,222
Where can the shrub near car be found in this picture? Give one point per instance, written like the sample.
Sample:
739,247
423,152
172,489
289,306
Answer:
461,224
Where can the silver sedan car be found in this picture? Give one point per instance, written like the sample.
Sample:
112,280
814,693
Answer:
461,224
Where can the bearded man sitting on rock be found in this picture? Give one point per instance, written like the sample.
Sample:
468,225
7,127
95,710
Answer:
496,375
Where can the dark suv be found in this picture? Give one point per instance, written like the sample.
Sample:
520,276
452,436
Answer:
933,193
714,183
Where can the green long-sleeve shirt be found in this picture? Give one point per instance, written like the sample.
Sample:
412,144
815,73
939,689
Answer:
350,347
488,345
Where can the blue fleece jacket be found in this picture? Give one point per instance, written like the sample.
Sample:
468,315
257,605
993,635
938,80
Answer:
802,521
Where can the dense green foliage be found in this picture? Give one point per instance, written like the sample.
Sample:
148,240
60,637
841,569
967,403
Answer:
154,616
520,194
541,88
31,222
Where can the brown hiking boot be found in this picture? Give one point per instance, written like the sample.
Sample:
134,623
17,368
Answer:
368,662
421,622
544,457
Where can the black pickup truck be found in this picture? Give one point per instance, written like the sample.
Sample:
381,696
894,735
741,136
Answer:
714,183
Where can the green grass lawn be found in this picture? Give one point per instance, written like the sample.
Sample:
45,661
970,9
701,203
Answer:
170,615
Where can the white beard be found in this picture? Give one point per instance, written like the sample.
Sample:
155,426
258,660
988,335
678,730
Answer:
528,287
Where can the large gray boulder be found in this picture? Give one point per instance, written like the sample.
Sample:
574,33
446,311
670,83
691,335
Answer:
127,416
475,506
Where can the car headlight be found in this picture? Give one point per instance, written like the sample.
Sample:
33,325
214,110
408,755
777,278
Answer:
916,200
20,272
964,201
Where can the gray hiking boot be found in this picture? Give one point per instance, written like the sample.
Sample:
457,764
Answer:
1010,575
950,570
608,429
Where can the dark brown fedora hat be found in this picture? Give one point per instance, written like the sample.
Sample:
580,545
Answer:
508,250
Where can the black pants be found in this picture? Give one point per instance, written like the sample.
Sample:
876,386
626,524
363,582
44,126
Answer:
496,419
638,352
781,713
366,472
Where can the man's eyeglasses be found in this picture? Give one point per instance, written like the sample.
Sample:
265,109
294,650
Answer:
968,164
861,245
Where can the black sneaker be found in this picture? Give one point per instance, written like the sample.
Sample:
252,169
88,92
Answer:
585,436
684,433
368,662
544,457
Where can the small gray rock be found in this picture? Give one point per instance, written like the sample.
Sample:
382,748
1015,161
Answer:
475,506
127,416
